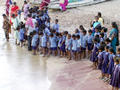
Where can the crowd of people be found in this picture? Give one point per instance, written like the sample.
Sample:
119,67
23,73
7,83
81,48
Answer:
41,37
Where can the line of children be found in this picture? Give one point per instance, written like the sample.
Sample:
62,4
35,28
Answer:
50,41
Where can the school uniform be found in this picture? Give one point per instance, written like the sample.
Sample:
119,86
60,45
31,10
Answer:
94,54
115,79
83,42
68,44
74,45
100,60
96,33
43,41
105,62
21,34
111,64
101,39
53,43
79,45
62,47
90,42
34,42
56,27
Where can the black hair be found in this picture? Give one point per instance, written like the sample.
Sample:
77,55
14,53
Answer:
78,36
51,35
90,31
118,50
4,15
56,20
99,14
65,32
101,48
111,50
84,31
102,35
29,15
107,47
73,36
107,40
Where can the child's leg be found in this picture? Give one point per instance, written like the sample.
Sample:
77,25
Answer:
69,55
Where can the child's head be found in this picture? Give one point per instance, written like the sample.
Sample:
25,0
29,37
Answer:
111,50
57,34
60,35
65,33
84,32
90,32
95,40
69,36
101,35
107,48
76,31
118,51
73,37
107,41
99,14
78,36
116,61
104,30
101,48
34,32
96,30
51,35
103,44
56,21
18,28
81,27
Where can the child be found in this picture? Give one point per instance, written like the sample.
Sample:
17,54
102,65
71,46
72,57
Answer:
78,46
94,54
84,43
68,44
34,42
53,44
77,32
16,33
56,26
43,43
104,30
74,46
111,62
100,59
90,42
29,41
96,31
108,42
21,35
105,63
115,79
101,37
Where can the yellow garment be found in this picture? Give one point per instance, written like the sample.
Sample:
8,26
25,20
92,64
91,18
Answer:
101,21
62,1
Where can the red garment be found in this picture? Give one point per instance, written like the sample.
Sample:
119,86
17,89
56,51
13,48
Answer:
14,10
44,3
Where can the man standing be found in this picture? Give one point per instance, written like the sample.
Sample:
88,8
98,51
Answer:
6,26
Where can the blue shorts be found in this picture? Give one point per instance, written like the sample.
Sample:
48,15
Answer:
53,48
90,47
83,49
79,50
34,47
74,51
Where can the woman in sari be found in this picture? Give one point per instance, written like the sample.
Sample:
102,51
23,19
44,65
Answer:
44,3
26,9
63,4
114,36
14,9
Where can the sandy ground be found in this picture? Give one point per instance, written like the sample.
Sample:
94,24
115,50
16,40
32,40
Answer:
20,71
72,18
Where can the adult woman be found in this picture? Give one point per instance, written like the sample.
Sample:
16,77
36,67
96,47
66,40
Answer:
26,9
6,26
114,35
44,3
63,4
14,9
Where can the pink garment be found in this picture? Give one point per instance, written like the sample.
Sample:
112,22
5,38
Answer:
29,22
63,5
44,3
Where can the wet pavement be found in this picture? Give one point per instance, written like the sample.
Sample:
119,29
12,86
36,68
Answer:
20,70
